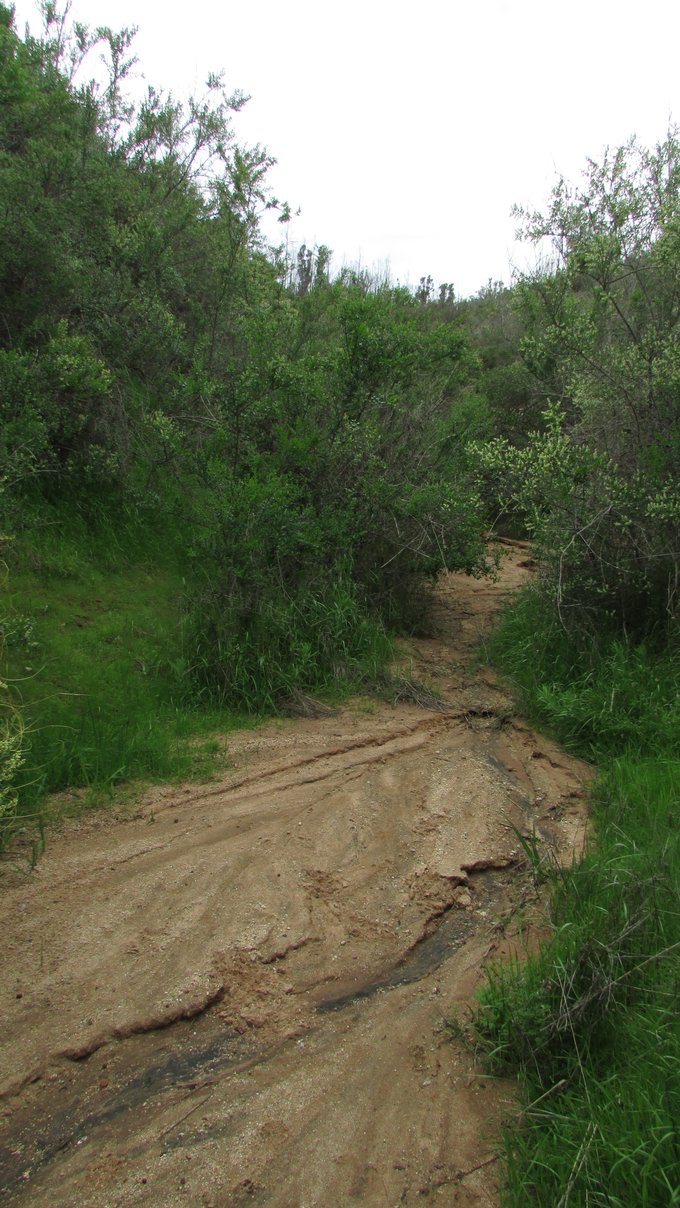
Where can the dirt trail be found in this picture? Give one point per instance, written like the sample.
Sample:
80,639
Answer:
234,997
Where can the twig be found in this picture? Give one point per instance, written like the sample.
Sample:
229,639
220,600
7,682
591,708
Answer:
462,1174
550,1091
185,1117
571,541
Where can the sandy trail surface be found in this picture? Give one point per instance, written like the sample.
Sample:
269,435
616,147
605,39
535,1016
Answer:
236,996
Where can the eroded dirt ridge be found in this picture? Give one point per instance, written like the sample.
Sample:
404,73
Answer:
234,997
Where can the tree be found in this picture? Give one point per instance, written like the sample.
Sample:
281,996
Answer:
603,334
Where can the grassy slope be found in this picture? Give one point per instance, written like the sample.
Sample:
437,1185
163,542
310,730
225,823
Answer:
591,1023
93,651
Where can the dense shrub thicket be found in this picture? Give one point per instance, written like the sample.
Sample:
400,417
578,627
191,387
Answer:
599,484
291,438
154,353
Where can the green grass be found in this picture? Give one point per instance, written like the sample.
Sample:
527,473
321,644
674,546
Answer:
92,643
590,1024
598,701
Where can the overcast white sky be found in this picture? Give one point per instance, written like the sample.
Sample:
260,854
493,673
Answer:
405,131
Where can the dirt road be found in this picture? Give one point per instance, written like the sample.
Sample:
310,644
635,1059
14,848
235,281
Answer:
235,997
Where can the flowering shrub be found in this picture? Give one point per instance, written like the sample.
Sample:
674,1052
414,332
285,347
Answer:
608,542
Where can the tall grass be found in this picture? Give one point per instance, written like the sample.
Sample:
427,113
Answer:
599,699
322,637
590,1023
92,649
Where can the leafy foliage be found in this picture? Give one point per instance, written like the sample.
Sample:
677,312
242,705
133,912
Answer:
602,334
163,370
607,541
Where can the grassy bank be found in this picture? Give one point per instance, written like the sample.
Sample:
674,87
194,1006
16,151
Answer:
590,1023
92,655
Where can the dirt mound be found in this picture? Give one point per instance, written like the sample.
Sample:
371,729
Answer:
234,997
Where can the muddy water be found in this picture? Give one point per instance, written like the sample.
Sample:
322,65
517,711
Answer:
236,996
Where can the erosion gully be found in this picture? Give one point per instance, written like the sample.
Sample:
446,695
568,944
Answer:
238,993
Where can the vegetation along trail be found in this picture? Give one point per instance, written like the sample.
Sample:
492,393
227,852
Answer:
236,995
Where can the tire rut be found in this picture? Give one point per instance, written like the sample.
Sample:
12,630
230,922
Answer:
234,997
